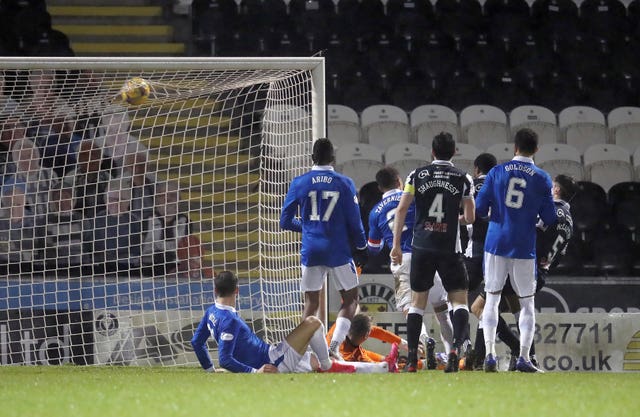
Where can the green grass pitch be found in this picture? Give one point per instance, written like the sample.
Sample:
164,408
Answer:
69,391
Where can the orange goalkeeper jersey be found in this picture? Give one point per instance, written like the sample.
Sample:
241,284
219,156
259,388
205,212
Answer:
358,353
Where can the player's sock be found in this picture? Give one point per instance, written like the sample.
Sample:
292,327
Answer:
527,324
460,322
507,336
414,322
479,347
446,329
370,367
490,322
340,333
318,345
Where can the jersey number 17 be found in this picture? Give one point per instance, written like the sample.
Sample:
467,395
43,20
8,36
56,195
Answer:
332,196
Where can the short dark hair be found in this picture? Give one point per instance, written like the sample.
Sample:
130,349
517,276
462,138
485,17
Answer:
387,177
360,326
443,146
484,162
567,185
323,152
225,283
526,141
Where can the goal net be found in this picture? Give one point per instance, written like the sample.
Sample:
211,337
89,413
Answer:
128,183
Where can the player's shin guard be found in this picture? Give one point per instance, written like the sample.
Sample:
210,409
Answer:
414,322
319,346
527,324
490,322
507,336
460,322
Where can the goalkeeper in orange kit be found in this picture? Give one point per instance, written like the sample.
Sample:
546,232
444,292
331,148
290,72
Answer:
361,329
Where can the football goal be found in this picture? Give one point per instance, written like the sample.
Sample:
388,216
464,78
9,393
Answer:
127,183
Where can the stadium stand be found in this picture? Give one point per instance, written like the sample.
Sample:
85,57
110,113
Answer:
464,157
624,127
607,165
502,151
560,158
429,120
359,161
537,118
343,125
582,126
384,125
405,157
483,126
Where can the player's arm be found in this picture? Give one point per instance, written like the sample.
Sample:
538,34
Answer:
226,345
483,199
288,219
199,344
384,335
374,242
398,224
547,211
468,204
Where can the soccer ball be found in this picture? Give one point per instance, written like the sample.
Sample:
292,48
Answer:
135,91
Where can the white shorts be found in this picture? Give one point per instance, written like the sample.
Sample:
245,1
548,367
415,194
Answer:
401,273
287,360
522,273
344,277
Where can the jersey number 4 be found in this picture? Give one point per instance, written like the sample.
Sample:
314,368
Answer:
332,196
515,193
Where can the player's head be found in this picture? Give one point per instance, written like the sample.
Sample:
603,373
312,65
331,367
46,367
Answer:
484,162
443,146
526,142
360,329
388,178
323,152
225,283
564,187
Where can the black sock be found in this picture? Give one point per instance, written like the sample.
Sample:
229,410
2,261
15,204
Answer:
460,321
479,346
507,336
532,351
414,325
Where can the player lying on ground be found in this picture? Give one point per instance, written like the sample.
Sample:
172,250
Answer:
241,350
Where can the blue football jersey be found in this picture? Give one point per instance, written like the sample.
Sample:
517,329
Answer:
381,221
239,348
330,222
514,194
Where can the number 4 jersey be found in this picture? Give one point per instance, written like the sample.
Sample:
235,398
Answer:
516,192
330,222
438,190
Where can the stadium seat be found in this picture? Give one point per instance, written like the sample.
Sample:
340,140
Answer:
384,125
601,91
362,19
463,88
560,158
385,54
584,54
412,87
343,125
613,250
263,15
483,54
430,119
405,157
532,53
409,16
624,127
461,18
437,53
506,90
213,22
624,199
604,18
276,142
506,18
502,151
607,165
555,18
309,16
557,89
464,157
362,90
537,118
359,161
582,126
483,125
589,209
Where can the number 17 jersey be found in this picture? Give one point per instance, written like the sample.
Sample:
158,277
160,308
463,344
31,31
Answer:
329,217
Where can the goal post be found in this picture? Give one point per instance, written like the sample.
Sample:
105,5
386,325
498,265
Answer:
119,201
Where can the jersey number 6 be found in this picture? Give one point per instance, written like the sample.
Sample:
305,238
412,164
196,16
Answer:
515,193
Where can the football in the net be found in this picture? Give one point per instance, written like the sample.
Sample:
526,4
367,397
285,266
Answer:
135,91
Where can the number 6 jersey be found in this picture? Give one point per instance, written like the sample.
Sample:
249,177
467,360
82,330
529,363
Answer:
438,190
517,192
